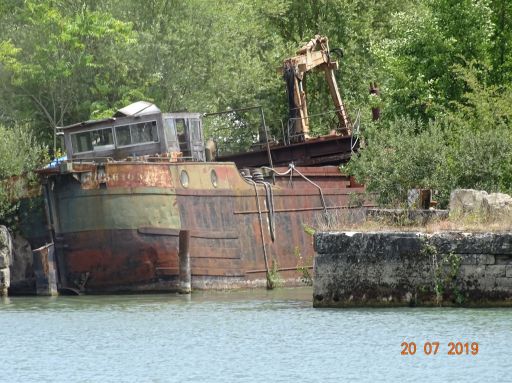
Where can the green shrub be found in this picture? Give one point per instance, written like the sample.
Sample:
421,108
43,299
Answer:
20,155
399,156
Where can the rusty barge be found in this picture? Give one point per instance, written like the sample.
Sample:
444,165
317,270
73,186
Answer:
132,183
116,222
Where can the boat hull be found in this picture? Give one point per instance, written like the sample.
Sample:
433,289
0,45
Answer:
116,225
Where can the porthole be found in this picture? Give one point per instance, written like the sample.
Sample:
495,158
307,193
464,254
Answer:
214,178
184,178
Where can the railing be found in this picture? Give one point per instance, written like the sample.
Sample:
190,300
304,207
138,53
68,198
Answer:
239,133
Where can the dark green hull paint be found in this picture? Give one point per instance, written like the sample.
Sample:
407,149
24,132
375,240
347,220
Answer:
118,209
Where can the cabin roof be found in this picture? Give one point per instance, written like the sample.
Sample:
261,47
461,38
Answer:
138,108
87,123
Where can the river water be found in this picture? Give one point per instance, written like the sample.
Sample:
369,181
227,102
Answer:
243,336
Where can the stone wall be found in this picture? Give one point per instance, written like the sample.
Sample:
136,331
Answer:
408,269
16,265
5,260
22,267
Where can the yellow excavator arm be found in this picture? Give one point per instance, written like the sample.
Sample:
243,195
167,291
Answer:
314,55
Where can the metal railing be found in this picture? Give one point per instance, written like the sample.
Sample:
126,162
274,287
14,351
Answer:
227,142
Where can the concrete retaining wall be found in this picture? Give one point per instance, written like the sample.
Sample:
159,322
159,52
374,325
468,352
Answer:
402,268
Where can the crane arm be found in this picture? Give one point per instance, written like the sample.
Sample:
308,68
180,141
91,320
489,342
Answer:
313,55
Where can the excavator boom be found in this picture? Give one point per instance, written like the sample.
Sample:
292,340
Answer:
313,55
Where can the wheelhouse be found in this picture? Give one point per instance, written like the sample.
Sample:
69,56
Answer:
138,130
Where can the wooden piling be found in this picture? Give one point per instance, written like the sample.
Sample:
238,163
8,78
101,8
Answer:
45,270
185,277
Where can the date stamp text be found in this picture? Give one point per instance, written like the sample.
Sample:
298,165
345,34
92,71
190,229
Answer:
434,348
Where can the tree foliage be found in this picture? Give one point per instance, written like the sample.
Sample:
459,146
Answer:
20,154
468,146
444,68
59,63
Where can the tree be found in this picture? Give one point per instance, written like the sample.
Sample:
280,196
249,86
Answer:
501,49
209,57
356,27
468,146
20,154
63,64
419,56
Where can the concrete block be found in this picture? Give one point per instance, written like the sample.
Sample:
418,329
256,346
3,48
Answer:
467,201
499,205
4,259
496,271
504,284
5,247
386,268
472,271
487,283
472,243
478,259
22,259
5,281
503,259
485,259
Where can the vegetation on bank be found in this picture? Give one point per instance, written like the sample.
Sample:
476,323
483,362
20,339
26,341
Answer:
468,145
403,220
444,69
20,154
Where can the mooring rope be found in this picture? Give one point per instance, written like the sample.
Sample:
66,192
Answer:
265,256
291,169
269,194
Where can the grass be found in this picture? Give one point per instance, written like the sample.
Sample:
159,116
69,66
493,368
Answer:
358,220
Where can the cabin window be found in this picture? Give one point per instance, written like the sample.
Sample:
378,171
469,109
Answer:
134,134
195,129
123,135
92,140
181,130
169,130
170,135
180,126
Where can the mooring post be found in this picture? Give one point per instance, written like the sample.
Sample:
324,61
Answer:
185,277
45,270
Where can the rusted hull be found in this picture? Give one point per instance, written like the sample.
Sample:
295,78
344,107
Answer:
117,225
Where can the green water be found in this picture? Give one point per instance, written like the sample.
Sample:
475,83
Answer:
248,336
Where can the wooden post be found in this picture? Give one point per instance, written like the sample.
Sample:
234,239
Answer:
45,270
185,277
